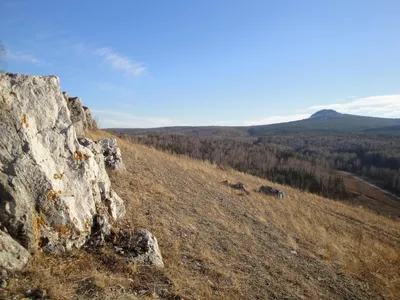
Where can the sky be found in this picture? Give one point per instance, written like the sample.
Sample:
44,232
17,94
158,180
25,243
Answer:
160,63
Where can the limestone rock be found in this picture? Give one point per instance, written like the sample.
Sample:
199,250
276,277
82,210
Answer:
141,247
51,186
12,255
66,96
112,154
81,116
78,115
91,123
101,229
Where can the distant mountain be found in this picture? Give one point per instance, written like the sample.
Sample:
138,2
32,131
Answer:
325,114
330,121
323,121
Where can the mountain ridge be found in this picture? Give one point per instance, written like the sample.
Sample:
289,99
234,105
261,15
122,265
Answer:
323,121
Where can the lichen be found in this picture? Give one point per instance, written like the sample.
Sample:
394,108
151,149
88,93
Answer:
87,223
64,230
24,120
78,155
58,176
53,195
38,222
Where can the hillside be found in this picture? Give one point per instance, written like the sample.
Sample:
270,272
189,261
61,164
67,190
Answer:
327,122
324,121
219,243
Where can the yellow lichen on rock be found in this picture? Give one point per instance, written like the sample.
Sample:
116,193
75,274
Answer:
53,195
38,222
24,120
78,155
58,176
64,230
87,224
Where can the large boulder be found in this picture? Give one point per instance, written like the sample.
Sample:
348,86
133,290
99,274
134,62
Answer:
51,186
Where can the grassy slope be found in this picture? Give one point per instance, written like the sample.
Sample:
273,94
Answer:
220,244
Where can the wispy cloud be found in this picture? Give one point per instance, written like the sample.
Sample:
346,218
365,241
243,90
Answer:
120,119
23,57
383,106
387,106
120,62
276,119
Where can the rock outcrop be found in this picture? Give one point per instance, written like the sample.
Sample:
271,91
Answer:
109,149
268,190
81,116
91,123
112,154
51,186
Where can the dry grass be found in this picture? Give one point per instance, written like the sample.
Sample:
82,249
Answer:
220,244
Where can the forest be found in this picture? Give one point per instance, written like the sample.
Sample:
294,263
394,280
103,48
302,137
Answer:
304,161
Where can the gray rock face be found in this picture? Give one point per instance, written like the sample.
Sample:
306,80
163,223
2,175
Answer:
267,190
81,116
12,255
78,115
51,186
112,154
90,121
141,247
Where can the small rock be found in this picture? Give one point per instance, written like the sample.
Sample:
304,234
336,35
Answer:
3,273
267,190
293,252
3,284
36,294
140,246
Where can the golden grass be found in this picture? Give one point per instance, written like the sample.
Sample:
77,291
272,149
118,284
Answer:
220,244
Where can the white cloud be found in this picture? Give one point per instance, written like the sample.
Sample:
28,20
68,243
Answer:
276,119
378,106
387,106
23,57
120,63
120,119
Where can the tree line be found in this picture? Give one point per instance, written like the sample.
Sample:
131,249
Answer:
277,162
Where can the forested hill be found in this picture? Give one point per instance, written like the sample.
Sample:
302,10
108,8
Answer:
324,121
330,121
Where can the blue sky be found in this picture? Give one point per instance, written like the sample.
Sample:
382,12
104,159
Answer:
211,62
